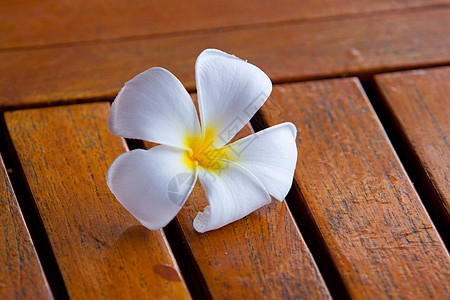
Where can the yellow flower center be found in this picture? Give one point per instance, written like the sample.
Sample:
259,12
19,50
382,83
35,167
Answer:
201,151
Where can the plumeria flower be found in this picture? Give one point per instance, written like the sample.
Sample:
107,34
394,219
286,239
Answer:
238,178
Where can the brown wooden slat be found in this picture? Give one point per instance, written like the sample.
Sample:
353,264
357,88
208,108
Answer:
358,194
21,275
294,51
420,104
101,249
260,256
25,23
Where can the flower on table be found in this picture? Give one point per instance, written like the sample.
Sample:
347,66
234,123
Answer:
238,178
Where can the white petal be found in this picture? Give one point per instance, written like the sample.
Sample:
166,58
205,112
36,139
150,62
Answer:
154,106
230,91
232,194
152,184
270,155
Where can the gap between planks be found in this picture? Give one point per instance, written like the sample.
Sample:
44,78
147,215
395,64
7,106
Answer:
310,231
189,269
362,77
31,215
409,159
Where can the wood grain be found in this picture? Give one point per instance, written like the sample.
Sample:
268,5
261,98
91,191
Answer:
27,23
420,103
286,52
260,256
101,249
21,275
359,196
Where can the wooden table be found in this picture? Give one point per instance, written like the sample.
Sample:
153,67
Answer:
366,83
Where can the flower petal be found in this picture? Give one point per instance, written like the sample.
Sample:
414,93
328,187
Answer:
152,184
270,155
154,106
232,194
230,91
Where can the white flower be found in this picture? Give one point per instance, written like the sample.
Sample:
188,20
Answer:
154,184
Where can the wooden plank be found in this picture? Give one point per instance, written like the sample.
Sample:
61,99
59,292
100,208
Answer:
294,51
25,23
358,194
21,275
260,256
419,102
101,249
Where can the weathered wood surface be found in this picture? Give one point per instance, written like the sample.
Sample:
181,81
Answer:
420,103
260,256
286,52
101,249
21,275
25,23
358,194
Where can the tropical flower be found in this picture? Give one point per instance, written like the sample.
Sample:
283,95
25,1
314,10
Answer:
238,178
